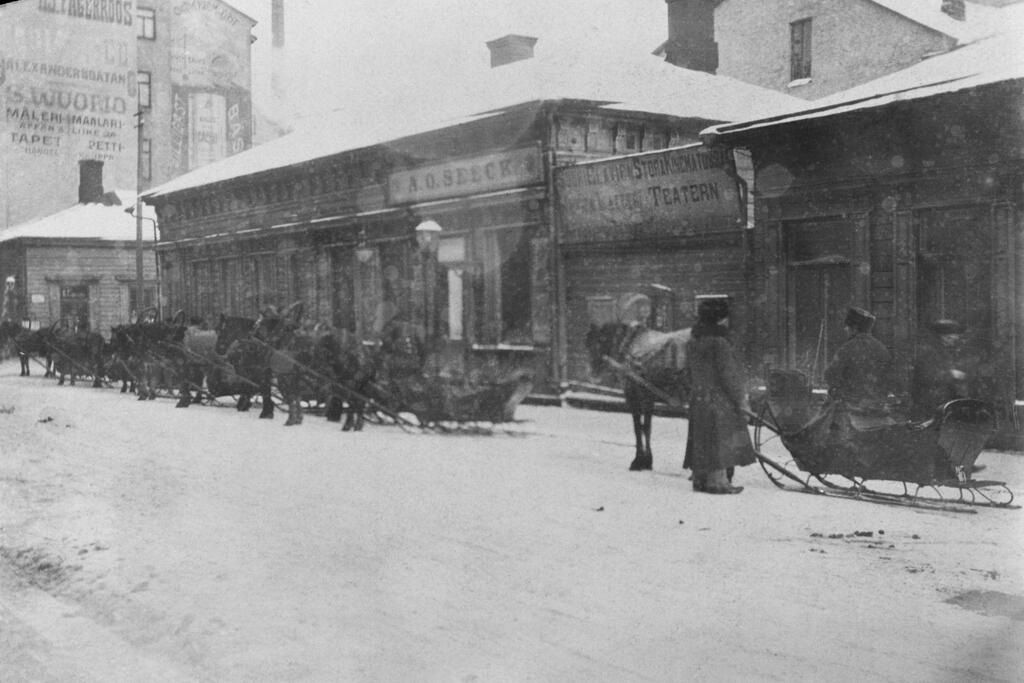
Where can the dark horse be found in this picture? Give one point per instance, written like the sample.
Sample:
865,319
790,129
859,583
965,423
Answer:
651,365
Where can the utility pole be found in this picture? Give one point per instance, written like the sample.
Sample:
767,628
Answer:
140,285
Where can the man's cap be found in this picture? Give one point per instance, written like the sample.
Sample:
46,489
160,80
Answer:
713,310
859,319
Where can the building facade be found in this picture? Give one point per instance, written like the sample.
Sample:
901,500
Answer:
74,75
78,266
339,234
910,208
814,48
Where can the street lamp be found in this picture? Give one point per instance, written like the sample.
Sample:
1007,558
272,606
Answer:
428,238
139,279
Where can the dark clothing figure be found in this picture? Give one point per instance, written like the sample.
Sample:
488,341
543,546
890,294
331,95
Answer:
861,372
717,438
943,369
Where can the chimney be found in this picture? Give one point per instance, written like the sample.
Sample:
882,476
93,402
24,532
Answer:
90,181
510,48
955,9
277,23
691,35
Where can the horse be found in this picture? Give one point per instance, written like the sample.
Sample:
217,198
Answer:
652,364
143,346
27,343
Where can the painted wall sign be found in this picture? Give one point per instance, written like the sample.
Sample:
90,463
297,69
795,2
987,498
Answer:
67,92
487,173
686,187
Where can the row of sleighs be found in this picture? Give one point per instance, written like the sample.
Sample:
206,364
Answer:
278,358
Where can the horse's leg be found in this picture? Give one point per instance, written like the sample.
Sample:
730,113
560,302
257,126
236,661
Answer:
335,408
647,419
268,401
641,461
359,408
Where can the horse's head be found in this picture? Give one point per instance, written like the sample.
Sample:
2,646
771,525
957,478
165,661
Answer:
230,329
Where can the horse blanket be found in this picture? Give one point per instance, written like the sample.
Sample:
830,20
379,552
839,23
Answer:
652,351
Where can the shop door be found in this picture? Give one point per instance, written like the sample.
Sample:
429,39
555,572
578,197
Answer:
820,287
74,306
954,268
596,282
820,297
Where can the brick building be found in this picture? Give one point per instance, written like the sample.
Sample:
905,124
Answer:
814,48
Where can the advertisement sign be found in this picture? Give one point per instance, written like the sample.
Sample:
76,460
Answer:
208,131
210,46
489,173
207,126
686,186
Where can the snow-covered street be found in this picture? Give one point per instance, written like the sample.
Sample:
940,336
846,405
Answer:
143,543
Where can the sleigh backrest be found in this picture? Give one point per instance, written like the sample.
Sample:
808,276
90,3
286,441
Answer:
790,399
966,424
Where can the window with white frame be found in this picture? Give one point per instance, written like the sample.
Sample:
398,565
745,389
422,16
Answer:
146,17
145,81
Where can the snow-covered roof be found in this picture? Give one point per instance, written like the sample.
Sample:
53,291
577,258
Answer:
96,221
993,59
979,20
640,83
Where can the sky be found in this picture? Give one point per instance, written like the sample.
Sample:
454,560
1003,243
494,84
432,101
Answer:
341,50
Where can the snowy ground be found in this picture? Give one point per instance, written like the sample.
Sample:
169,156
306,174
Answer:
143,543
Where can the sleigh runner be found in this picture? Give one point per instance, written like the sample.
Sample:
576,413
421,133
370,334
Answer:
926,464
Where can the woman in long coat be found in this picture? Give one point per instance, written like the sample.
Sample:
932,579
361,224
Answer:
717,438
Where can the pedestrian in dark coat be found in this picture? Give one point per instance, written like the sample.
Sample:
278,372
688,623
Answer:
717,438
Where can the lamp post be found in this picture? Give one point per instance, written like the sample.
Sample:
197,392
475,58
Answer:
139,275
428,238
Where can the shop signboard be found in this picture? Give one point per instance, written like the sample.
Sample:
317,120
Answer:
673,191
461,177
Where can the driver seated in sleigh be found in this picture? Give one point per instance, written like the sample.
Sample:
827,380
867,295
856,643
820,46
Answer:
860,376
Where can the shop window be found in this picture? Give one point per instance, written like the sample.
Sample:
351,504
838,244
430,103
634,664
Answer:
264,281
506,293
395,278
343,305
451,257
145,83
800,49
147,23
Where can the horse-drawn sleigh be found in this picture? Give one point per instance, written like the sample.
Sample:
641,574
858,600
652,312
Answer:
807,444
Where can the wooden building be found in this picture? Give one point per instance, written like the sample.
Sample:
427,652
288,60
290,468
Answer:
902,196
329,215
79,265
